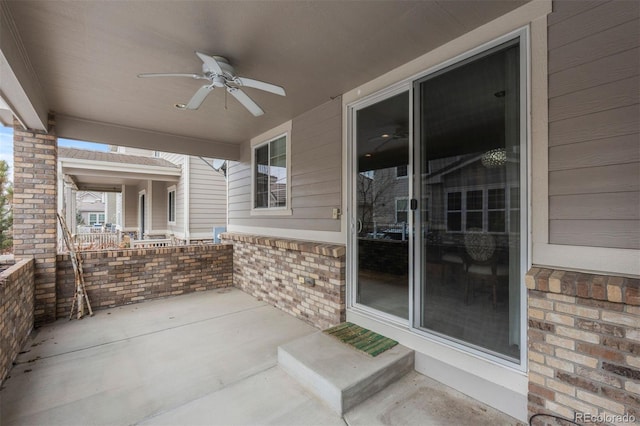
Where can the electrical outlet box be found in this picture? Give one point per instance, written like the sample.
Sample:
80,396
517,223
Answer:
301,280
335,213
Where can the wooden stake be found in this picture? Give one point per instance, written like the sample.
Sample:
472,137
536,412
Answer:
80,295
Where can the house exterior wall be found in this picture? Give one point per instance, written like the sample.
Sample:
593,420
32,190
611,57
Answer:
315,175
111,209
130,207
159,207
121,277
583,328
178,228
594,153
207,199
16,311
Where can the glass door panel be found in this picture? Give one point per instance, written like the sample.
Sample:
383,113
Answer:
382,205
468,128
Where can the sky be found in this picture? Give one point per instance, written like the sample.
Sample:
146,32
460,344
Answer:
6,146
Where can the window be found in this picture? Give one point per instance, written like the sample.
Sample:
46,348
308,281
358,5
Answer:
171,200
270,174
483,209
454,211
495,210
401,171
402,205
474,214
96,218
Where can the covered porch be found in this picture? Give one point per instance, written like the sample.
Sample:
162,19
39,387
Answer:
205,358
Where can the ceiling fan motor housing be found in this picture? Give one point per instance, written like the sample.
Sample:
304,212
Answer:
228,71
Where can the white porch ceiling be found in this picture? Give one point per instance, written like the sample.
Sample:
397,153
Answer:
84,58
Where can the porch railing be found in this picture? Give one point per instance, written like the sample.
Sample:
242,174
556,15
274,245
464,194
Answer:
97,240
164,242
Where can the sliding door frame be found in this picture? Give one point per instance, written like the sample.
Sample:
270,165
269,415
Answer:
352,237
523,34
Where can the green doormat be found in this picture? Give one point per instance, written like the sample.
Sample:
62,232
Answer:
360,338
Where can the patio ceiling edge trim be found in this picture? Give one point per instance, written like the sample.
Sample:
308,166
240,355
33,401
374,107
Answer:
69,127
111,166
21,88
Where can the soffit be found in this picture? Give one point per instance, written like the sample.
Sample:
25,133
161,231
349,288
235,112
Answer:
87,54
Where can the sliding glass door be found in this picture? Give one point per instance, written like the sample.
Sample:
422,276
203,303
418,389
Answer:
469,150
439,202
382,205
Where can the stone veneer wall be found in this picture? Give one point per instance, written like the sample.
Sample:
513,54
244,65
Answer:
270,268
16,311
120,277
35,168
584,344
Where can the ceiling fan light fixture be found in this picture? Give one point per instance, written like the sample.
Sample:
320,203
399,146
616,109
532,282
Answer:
494,158
220,74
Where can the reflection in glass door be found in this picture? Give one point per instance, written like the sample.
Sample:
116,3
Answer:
468,132
382,205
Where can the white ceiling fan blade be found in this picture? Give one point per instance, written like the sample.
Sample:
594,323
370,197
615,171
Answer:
199,97
210,63
257,84
173,74
246,101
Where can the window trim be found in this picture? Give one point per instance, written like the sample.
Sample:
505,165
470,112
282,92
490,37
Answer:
268,137
171,189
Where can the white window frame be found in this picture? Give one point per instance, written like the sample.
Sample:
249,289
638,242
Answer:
268,137
97,218
171,189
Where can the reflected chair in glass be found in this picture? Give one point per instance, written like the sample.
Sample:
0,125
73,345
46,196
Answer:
481,263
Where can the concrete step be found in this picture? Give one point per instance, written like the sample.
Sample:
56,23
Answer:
338,374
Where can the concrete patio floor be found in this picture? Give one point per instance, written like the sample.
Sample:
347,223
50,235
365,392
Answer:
202,359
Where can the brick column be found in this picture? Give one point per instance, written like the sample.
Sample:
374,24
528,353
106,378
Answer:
35,157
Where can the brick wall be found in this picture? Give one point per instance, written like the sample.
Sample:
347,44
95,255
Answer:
270,269
120,277
35,156
584,344
16,311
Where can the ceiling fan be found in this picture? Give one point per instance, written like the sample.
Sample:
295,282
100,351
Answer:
219,73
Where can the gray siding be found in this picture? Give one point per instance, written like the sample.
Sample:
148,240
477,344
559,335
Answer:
131,206
177,159
160,206
207,197
316,175
594,130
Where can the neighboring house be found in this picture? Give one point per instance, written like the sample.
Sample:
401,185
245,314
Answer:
91,207
545,92
148,194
